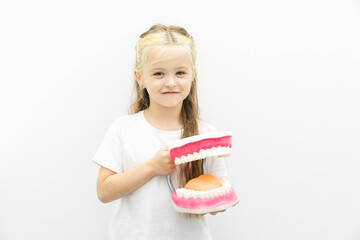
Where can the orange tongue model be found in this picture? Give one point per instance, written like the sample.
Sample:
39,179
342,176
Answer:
203,183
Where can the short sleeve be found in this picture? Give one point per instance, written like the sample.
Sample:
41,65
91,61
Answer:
110,151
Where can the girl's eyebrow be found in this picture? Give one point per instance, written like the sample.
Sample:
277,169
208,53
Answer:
157,68
153,69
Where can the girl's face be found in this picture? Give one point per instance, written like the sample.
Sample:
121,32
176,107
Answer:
167,76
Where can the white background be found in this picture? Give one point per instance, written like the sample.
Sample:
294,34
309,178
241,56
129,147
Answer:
283,76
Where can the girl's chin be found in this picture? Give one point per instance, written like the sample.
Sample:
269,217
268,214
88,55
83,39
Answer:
169,105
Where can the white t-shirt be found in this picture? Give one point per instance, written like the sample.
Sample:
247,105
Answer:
148,213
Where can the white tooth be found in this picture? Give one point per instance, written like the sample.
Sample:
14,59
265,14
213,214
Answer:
179,192
229,150
203,153
206,152
196,194
211,194
206,194
193,193
218,191
196,156
223,151
183,191
212,151
218,151
190,157
222,191
184,159
186,194
190,193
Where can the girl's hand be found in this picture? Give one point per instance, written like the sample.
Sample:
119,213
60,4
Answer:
214,213
161,162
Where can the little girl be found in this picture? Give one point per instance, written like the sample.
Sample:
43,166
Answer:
133,157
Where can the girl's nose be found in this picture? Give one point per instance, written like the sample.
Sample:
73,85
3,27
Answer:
170,81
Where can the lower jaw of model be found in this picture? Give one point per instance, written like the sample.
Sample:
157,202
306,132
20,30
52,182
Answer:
200,202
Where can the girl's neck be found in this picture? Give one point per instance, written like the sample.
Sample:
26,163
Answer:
164,119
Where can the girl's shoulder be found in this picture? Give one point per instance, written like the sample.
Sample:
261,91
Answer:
125,121
127,117
206,127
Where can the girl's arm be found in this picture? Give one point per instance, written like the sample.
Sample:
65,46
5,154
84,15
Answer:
112,186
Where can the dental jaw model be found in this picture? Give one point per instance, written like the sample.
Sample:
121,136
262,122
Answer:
205,193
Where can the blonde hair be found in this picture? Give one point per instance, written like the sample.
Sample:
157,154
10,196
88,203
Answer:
160,35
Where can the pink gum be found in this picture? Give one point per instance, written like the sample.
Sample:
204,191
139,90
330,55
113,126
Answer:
198,203
192,147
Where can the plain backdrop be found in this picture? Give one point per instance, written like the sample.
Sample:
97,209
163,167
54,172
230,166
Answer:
283,76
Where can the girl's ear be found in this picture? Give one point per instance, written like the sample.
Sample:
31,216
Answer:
137,76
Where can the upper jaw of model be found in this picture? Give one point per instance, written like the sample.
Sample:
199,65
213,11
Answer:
201,146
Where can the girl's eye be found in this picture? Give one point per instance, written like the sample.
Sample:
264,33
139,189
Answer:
158,74
181,73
